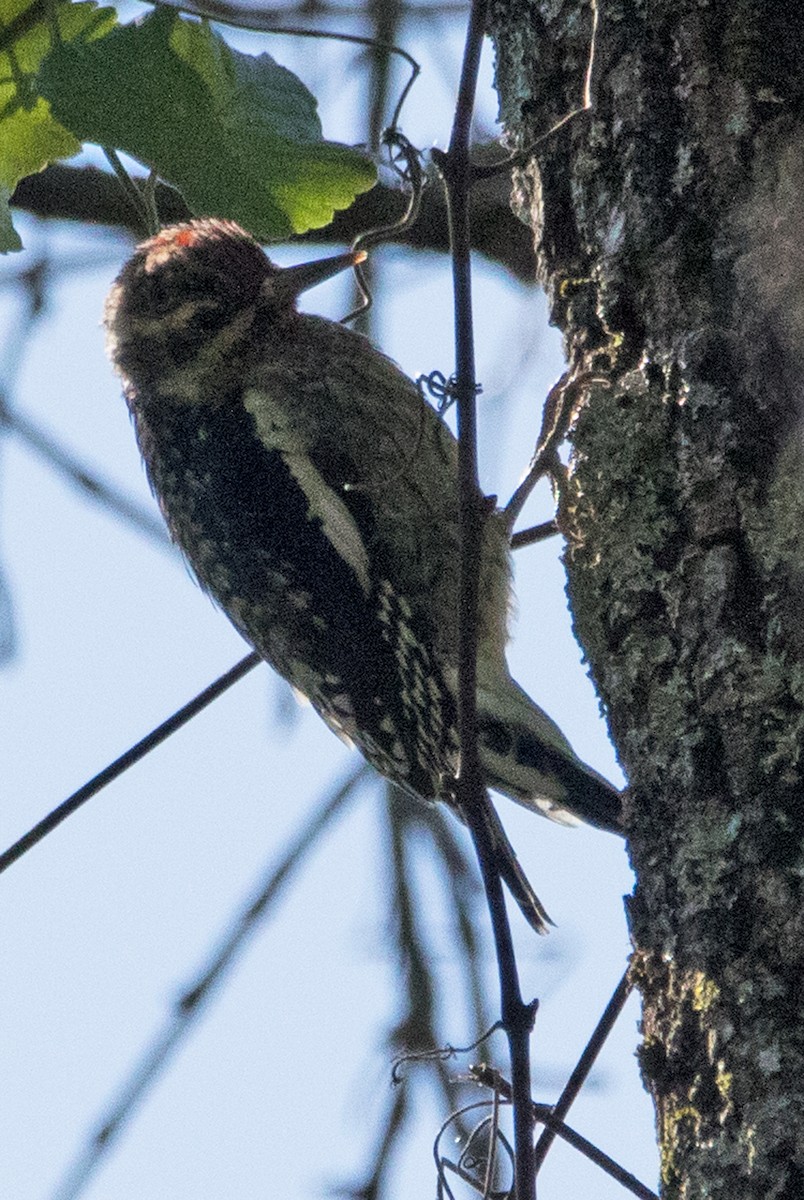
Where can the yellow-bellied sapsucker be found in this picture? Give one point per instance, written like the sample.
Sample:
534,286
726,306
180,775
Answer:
315,495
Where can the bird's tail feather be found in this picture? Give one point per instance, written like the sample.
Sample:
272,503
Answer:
526,757
512,874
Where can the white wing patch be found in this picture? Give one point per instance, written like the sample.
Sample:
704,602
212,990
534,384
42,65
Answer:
277,433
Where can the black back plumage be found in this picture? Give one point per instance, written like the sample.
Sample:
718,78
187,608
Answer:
244,525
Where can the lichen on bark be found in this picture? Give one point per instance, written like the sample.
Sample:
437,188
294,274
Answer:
668,232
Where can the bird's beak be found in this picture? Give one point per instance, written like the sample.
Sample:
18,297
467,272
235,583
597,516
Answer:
292,281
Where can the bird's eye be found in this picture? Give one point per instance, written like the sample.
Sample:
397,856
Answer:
192,330
206,321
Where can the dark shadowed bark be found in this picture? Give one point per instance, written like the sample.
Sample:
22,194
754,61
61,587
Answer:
670,227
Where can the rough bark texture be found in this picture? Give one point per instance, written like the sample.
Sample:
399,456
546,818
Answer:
670,228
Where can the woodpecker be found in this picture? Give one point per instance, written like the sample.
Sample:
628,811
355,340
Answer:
314,494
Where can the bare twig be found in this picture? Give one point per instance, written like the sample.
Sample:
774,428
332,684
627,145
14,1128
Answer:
546,1115
420,993
396,1112
517,1017
536,533
522,157
584,1065
130,189
34,280
22,23
131,756
90,195
593,1153
559,407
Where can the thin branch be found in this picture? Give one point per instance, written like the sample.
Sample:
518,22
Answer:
584,1066
131,756
8,632
22,23
468,936
536,533
546,1115
130,190
34,280
149,200
555,422
517,1017
423,997
93,196
522,157
383,19
197,994
455,169
396,1112
559,408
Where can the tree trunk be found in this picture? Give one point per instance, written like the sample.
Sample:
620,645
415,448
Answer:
669,223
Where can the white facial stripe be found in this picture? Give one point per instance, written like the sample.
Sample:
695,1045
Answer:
323,503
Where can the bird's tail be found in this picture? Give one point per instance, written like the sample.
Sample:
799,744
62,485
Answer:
526,756
510,871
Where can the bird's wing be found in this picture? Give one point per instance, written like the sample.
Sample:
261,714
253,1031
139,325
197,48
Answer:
377,463
278,432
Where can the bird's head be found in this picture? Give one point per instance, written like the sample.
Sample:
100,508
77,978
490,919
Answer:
187,298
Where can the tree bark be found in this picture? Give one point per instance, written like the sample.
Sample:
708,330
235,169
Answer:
670,236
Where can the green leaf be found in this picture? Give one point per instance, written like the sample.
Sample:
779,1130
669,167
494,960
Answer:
30,136
238,135
9,238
